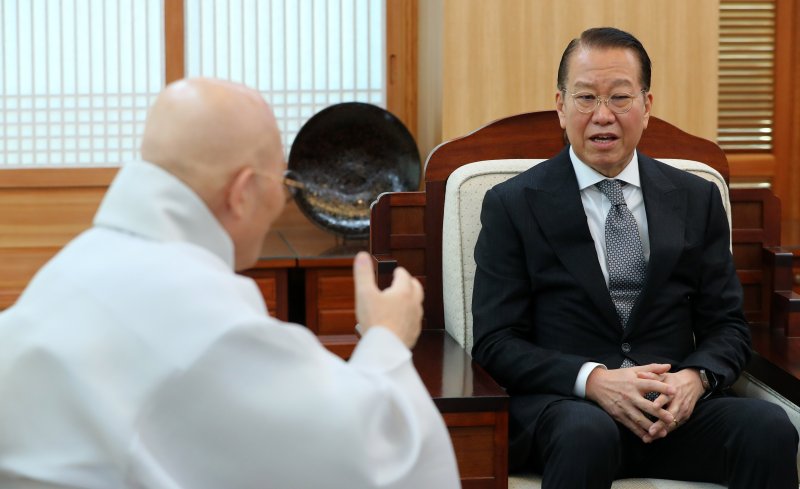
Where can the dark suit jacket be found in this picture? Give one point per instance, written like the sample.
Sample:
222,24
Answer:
541,307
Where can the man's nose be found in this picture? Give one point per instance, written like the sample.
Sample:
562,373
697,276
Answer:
602,114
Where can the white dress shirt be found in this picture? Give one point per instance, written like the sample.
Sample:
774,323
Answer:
596,205
137,358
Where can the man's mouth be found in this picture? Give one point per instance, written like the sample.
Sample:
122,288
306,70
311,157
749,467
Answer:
603,138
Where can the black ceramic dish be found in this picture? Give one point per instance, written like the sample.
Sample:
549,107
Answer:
345,156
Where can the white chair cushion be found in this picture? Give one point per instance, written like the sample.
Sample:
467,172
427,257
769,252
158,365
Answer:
463,199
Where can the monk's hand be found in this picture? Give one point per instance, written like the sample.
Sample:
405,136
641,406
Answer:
620,392
397,308
688,390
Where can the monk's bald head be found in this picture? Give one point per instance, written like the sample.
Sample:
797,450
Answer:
204,130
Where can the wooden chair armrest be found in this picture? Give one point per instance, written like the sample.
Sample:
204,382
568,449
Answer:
473,405
778,265
785,312
784,303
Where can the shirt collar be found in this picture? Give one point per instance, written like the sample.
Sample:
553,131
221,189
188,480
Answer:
148,201
588,176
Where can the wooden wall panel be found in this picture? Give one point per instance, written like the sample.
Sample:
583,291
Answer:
17,267
41,211
501,58
46,217
429,75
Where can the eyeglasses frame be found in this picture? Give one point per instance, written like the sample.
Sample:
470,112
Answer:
290,183
606,100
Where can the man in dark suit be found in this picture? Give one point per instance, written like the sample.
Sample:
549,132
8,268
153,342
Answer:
602,258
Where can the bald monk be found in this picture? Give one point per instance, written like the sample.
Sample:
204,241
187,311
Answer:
137,358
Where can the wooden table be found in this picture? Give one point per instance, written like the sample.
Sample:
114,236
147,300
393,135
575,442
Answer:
776,361
474,408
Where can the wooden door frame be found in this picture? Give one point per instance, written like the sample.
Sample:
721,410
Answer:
174,41
780,167
786,127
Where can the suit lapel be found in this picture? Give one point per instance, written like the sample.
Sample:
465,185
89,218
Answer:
665,205
554,199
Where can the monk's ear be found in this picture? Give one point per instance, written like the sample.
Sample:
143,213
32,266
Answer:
239,196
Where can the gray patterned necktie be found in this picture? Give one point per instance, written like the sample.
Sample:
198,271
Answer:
624,258
624,253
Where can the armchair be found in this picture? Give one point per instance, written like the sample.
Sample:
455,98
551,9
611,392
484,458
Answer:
432,233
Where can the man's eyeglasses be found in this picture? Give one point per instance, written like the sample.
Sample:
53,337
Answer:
618,103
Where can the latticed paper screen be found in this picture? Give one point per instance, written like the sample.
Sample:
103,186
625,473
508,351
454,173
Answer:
303,55
77,78
78,75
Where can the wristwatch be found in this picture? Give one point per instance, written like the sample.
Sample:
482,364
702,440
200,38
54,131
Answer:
704,380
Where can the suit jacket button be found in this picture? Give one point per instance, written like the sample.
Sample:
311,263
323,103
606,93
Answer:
626,347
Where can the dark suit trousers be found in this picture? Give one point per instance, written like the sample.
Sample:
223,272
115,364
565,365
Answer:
744,443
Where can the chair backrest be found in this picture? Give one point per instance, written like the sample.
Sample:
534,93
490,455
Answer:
464,194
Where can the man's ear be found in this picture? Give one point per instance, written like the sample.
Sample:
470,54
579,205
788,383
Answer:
560,109
648,106
238,198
